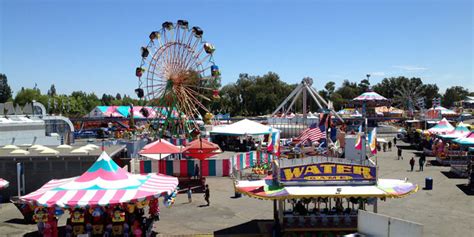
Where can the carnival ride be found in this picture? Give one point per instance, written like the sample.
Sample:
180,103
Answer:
177,71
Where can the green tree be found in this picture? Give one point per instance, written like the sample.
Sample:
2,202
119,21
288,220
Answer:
5,90
453,94
52,91
364,85
27,95
330,87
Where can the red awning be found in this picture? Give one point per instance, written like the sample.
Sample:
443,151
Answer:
201,149
160,147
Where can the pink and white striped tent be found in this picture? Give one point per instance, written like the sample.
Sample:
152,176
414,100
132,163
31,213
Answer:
442,127
3,183
102,184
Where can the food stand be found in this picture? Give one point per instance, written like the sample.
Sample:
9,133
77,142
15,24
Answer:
322,194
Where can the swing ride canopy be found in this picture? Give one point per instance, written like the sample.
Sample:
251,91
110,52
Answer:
242,128
3,183
370,96
103,183
313,177
442,127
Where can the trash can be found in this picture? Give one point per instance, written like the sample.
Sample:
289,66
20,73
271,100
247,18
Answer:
428,183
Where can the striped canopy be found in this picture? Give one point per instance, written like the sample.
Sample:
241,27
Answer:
102,184
442,127
370,96
466,141
265,189
3,183
460,131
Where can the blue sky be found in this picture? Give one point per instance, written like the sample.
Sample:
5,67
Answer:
94,45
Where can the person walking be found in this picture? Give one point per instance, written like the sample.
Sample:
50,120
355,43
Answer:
207,194
412,163
389,145
394,141
400,153
384,147
421,163
196,171
190,193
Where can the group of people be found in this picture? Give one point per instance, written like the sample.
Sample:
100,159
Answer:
421,160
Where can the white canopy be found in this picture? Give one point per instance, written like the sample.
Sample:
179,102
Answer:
243,127
156,156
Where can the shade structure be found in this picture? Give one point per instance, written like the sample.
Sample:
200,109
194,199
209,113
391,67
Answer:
466,141
264,189
3,183
64,146
10,147
459,132
104,183
201,149
243,127
442,127
160,146
20,151
49,151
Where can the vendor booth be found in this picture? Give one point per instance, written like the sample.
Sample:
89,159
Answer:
245,135
105,200
322,194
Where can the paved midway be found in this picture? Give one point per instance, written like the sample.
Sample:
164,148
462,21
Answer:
444,211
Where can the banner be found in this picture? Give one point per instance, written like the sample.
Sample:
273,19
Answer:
327,172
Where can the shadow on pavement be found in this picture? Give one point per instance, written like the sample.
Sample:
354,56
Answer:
451,175
253,227
17,221
407,147
465,188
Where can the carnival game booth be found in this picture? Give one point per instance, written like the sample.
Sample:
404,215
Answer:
104,201
445,150
439,112
322,195
460,165
428,136
245,135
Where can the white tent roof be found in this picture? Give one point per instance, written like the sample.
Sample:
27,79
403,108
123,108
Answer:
156,156
64,146
243,127
20,151
10,147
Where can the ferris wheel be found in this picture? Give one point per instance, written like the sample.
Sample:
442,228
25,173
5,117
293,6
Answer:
177,73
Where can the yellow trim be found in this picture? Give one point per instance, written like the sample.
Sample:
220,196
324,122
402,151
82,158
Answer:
326,196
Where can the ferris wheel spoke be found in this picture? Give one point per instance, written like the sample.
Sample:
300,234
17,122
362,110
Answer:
191,51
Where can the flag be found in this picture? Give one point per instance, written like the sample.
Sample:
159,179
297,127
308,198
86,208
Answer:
358,142
373,141
312,134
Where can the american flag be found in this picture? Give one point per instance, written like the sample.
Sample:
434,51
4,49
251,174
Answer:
312,134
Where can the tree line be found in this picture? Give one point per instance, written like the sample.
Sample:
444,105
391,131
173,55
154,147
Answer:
252,95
